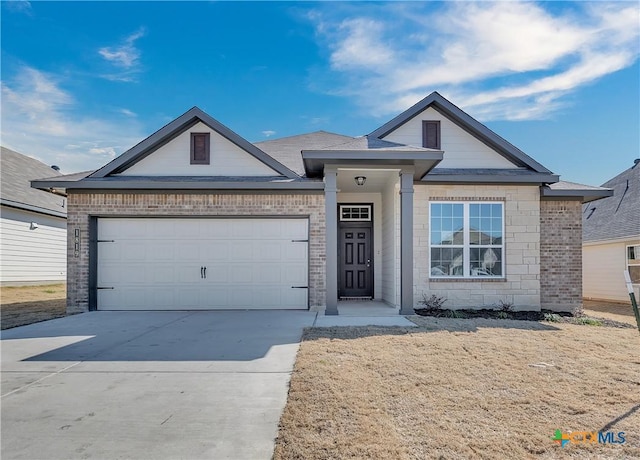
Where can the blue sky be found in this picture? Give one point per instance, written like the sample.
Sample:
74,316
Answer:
84,81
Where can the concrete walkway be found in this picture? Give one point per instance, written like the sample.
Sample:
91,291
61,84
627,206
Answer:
161,385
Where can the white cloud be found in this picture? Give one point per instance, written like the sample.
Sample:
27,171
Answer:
361,46
125,57
128,113
268,133
126,54
42,120
505,60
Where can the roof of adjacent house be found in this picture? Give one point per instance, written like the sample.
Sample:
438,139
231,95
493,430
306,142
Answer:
287,149
617,216
17,173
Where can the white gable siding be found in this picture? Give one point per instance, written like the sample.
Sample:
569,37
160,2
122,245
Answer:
461,149
173,159
28,256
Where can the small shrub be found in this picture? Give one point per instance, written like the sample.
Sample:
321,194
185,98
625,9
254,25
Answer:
505,307
588,321
502,315
455,314
552,317
434,302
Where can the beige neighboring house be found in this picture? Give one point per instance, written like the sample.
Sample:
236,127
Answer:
33,224
431,202
611,239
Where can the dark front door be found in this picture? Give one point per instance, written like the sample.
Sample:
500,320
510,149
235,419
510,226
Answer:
356,264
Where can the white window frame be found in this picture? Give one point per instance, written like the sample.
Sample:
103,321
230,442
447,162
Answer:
466,246
636,260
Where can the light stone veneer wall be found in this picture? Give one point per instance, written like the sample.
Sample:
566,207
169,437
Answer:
521,287
561,255
83,205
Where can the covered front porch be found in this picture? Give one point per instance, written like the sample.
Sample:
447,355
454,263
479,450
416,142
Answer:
369,225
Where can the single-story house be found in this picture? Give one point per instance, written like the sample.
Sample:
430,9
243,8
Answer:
431,202
611,239
33,224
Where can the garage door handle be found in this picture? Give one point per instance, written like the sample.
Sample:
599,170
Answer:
299,287
201,272
205,272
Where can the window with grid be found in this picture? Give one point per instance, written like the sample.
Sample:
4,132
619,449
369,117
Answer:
633,263
355,213
466,240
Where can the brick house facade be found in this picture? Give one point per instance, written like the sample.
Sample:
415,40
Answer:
469,218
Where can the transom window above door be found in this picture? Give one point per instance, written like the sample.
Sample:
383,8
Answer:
355,213
466,240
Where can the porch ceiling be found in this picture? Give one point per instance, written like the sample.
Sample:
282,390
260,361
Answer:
377,179
420,161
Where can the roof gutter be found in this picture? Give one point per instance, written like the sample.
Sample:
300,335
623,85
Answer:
586,195
98,184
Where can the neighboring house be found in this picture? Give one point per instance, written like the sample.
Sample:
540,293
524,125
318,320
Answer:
611,239
196,217
33,224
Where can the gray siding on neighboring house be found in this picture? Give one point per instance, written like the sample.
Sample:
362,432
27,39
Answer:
32,223
32,253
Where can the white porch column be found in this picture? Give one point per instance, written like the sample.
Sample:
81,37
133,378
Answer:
406,242
331,232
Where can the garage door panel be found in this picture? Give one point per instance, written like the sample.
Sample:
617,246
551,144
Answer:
156,263
217,274
294,275
294,252
269,250
240,273
130,250
214,250
187,251
187,297
242,250
215,297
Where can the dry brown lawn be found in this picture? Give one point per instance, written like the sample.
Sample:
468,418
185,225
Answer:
462,388
23,305
622,312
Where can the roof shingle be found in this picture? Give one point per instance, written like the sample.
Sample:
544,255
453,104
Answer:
617,216
17,173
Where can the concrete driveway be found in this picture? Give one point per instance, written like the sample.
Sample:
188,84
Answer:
148,385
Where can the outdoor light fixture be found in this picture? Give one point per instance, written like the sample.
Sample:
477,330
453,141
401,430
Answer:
360,180
33,226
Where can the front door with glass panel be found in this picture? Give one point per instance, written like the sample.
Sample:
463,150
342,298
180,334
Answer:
354,251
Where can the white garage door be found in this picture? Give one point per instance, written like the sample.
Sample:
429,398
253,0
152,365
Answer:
185,264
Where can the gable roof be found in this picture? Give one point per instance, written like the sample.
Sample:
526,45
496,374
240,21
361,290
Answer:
287,149
177,127
617,216
17,172
466,122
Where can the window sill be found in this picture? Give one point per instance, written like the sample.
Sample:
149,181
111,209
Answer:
468,280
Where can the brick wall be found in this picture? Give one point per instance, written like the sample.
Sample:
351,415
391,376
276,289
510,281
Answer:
80,206
521,287
561,255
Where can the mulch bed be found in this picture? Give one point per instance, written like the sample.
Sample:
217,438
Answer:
544,315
